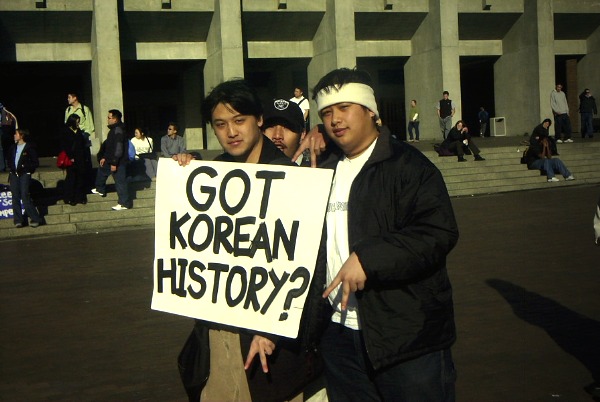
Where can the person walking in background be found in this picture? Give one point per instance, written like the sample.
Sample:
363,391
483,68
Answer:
172,144
301,101
587,109
8,125
445,110
22,162
72,142
539,154
114,161
385,257
560,108
484,118
413,121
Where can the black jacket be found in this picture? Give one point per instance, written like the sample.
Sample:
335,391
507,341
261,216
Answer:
587,104
116,147
401,226
27,163
535,144
73,143
454,136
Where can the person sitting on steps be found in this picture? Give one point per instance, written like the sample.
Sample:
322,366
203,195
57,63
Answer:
539,154
459,140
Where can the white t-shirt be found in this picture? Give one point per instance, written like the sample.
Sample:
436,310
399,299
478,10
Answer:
142,145
302,102
338,249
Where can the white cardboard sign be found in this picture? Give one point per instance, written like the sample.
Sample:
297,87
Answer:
237,243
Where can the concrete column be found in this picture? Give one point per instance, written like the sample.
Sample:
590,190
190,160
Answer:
106,65
334,46
587,75
524,76
434,65
192,97
225,56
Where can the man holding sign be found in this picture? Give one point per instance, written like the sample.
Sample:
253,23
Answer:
390,226
235,114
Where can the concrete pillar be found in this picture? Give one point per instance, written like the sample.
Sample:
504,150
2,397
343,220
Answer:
192,97
334,46
106,65
434,65
587,74
225,56
524,76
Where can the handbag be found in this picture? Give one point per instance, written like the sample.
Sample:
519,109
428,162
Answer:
148,155
63,161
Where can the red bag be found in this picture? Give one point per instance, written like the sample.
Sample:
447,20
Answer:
63,161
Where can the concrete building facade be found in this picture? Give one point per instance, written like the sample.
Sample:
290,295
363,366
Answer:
155,59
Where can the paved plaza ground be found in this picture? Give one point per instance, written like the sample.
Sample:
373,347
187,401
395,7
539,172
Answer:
77,325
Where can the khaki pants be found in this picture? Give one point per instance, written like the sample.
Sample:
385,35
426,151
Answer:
227,381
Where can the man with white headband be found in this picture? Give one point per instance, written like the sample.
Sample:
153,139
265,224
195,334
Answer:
389,227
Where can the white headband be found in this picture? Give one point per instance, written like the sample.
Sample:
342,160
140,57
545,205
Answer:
352,92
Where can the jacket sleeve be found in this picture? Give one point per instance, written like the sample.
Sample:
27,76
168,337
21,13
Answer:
163,147
419,235
119,144
32,161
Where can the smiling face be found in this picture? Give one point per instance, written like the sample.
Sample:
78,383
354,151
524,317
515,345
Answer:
238,134
350,126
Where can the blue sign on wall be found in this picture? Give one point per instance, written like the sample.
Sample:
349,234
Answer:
6,210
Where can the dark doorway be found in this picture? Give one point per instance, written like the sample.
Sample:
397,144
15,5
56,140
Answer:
477,88
37,94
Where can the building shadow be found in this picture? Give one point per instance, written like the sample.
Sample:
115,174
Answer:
575,333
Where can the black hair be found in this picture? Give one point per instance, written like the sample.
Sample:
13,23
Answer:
24,133
340,77
547,121
172,123
116,113
237,94
445,93
72,120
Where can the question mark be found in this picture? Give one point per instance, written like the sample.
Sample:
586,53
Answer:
293,293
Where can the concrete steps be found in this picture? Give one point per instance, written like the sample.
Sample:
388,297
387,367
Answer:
500,172
94,217
503,172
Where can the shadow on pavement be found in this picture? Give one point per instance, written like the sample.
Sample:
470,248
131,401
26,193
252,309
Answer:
575,333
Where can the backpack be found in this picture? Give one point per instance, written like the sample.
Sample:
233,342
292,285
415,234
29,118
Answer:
524,157
442,151
131,151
